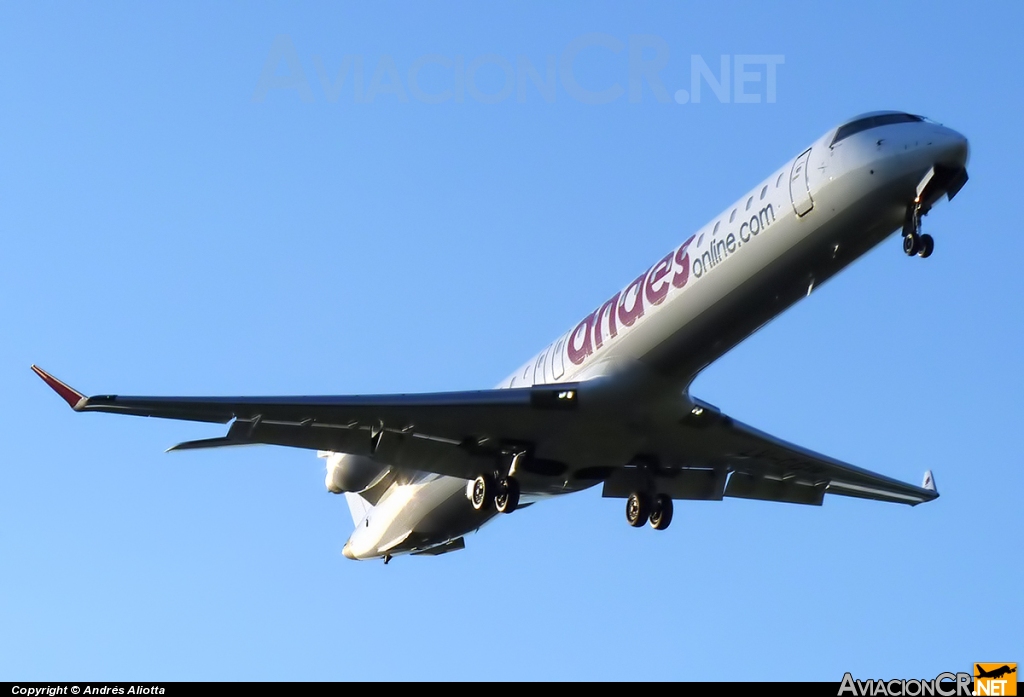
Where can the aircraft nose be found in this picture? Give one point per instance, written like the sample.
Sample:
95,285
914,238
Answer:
955,149
347,551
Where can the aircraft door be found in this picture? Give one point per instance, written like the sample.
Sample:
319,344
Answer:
540,369
799,188
558,360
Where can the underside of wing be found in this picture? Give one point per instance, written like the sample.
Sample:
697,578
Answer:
446,433
710,456
705,455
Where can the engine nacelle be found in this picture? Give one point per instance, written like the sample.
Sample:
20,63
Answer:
351,472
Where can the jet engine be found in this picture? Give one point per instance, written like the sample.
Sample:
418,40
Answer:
353,473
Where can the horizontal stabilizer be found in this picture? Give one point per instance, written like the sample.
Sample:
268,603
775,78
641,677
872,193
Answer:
450,546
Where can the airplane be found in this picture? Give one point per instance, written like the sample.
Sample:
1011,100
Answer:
995,673
608,402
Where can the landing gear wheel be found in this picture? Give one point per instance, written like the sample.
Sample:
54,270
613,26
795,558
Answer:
911,244
661,513
638,509
927,246
483,492
506,499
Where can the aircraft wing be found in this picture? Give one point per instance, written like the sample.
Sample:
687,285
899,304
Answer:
710,455
443,432
706,455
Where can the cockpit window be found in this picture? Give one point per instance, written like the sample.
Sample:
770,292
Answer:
847,130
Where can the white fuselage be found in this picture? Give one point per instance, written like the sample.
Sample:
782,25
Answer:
794,230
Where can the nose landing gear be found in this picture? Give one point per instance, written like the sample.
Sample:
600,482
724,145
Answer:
914,243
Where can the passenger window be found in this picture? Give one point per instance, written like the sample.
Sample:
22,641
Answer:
749,201
717,223
732,216
700,240
764,191
779,180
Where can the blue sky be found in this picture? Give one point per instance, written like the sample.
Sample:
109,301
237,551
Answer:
178,218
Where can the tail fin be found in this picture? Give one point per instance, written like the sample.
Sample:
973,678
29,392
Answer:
358,507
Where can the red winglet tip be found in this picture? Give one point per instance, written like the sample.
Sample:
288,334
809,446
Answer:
70,395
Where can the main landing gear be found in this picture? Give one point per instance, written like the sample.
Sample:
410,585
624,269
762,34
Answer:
500,492
641,508
914,243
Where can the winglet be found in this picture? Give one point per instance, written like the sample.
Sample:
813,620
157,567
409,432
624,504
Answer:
70,395
929,482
